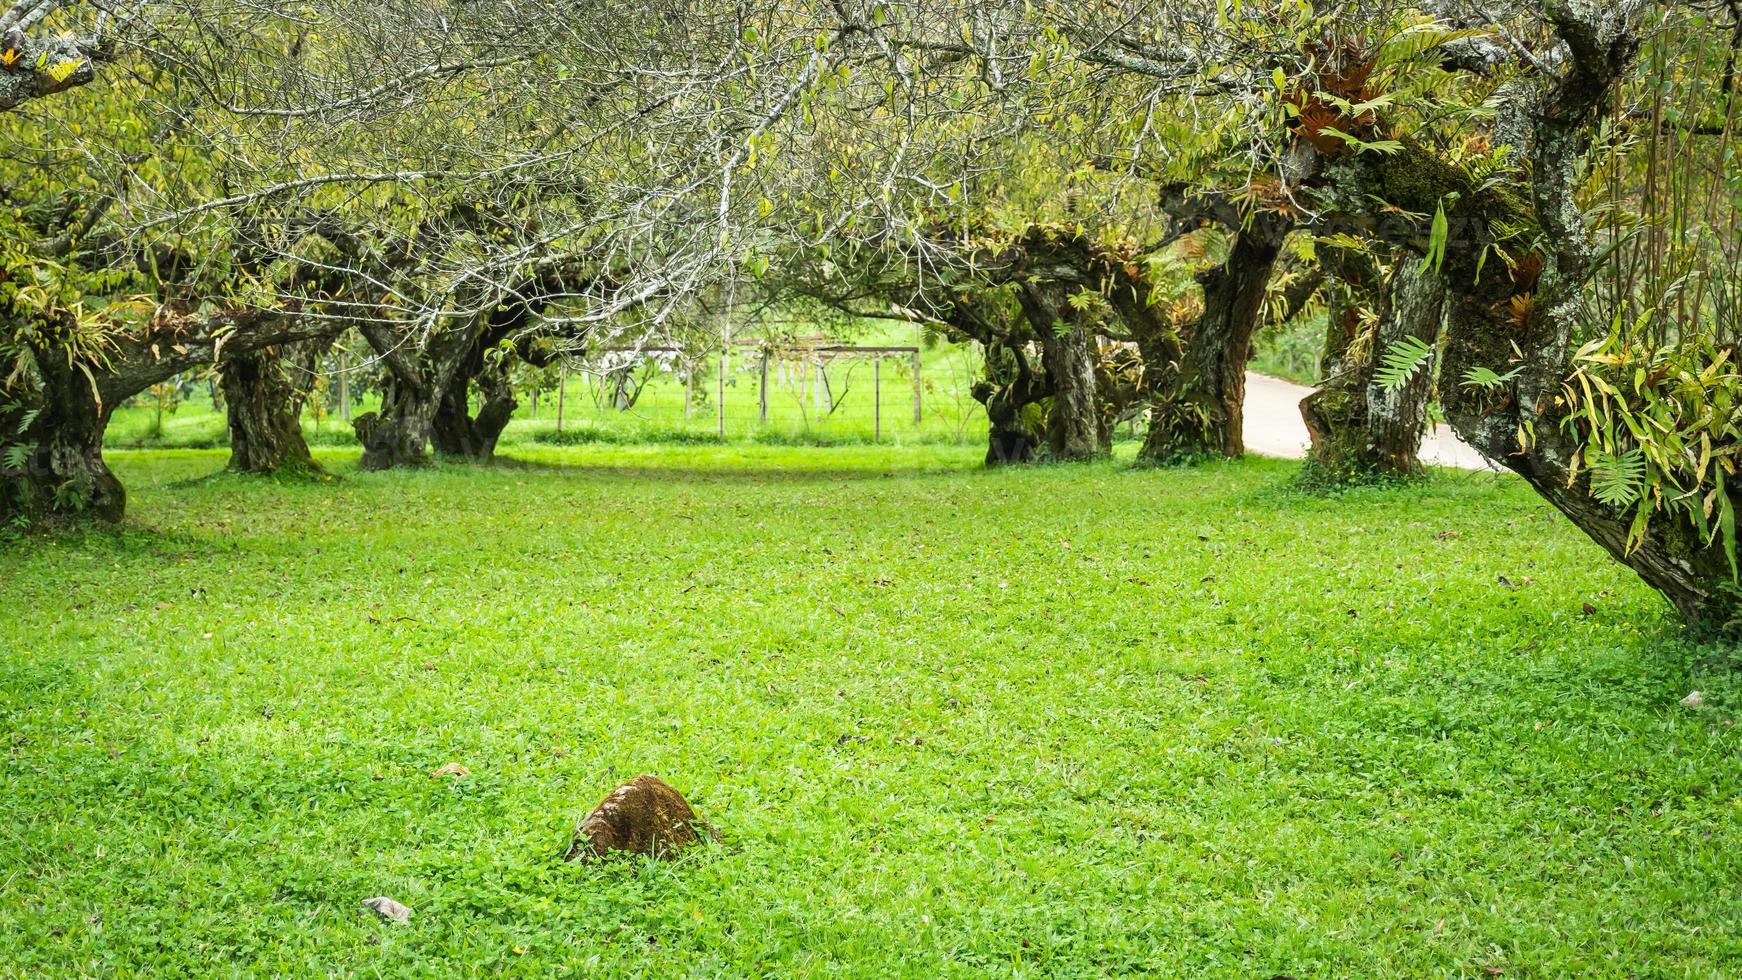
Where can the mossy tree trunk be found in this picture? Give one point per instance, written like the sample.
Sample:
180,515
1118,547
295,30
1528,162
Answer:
427,400
29,77
455,431
1013,384
1011,387
1197,402
59,433
1073,420
62,472
1691,570
1360,429
398,434
1519,423
264,392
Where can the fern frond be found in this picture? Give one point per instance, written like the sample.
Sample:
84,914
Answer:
1402,361
1415,41
1617,480
1485,378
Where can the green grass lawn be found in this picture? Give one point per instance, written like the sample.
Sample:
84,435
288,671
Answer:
1062,721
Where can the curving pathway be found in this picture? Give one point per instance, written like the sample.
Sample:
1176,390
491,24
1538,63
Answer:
1274,427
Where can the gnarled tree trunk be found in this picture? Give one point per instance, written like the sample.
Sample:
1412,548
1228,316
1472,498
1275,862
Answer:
419,379
1691,570
1012,385
264,391
1197,403
399,433
456,432
1073,423
63,472
1519,422
1361,429
427,400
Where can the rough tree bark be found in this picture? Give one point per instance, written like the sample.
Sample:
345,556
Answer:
264,391
32,75
1047,264
398,433
1012,383
456,432
1360,429
419,387
1196,401
1011,386
1073,420
64,473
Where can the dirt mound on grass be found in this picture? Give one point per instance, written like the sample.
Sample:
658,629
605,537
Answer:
642,816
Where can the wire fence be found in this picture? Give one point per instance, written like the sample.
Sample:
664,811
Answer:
823,392
819,392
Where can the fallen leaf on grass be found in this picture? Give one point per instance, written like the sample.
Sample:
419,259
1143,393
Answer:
453,769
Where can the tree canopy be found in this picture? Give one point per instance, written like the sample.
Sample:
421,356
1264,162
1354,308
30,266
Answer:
1525,211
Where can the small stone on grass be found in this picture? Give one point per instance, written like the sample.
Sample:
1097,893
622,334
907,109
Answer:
387,908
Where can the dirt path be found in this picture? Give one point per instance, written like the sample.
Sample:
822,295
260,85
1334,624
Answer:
1274,427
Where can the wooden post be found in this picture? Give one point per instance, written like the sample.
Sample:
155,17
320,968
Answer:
916,402
344,388
762,395
877,399
562,390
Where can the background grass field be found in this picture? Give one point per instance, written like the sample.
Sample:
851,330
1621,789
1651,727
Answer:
797,415
1065,720
948,412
